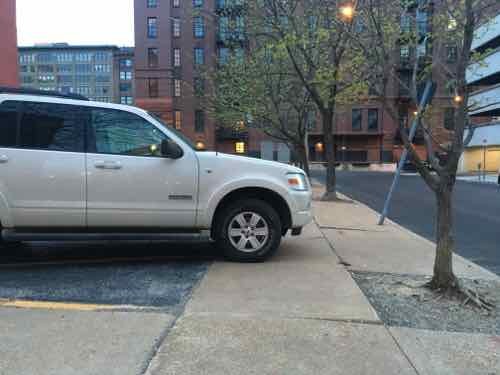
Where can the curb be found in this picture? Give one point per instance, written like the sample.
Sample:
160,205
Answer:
417,236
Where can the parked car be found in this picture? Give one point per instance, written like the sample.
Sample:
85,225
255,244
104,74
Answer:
73,169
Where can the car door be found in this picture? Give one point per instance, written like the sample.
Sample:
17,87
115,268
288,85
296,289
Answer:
129,183
42,164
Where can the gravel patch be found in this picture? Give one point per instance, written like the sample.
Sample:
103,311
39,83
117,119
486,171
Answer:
401,301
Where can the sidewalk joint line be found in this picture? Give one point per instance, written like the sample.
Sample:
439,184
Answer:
401,349
341,320
348,228
166,332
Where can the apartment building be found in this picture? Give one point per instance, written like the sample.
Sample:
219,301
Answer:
175,42
124,75
366,134
483,153
8,44
101,73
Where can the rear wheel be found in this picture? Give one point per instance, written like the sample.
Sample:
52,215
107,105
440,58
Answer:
248,231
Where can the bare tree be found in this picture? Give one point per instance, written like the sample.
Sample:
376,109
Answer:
313,35
394,25
259,90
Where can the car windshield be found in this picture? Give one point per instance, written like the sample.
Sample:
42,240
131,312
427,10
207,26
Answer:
185,139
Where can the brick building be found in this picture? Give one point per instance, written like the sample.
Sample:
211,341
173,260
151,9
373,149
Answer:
8,44
175,41
367,134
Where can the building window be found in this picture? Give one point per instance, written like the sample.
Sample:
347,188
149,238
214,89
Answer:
197,3
152,3
451,54
198,27
405,23
176,27
177,57
152,27
178,120
153,57
357,118
449,118
153,88
240,147
404,53
176,3
126,100
199,56
223,53
125,76
199,86
199,121
422,23
125,63
373,119
125,86
177,87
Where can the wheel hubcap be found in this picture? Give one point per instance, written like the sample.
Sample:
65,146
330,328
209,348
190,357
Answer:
248,232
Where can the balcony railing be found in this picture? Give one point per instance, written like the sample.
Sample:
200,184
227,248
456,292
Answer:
229,5
485,102
485,71
226,134
487,33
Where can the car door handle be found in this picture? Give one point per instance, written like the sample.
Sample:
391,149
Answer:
4,159
108,165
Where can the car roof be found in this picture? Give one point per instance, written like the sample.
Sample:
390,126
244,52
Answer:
65,100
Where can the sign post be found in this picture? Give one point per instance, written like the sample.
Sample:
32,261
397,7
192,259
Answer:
430,90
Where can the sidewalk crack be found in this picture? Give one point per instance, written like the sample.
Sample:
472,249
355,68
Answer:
401,349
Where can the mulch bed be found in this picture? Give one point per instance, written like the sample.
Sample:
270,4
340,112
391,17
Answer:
401,301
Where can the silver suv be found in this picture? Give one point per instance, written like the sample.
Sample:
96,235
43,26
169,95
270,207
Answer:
72,169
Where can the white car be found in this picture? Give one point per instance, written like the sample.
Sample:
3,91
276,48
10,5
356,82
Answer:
72,169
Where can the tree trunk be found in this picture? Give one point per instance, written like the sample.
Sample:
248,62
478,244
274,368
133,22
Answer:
303,159
444,278
331,179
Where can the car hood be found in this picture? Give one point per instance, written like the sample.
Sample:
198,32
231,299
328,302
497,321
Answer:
218,159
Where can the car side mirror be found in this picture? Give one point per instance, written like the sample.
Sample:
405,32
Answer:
171,150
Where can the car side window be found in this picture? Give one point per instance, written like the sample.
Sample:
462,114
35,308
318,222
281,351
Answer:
118,132
8,123
42,126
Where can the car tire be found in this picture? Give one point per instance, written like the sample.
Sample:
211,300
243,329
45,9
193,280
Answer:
248,231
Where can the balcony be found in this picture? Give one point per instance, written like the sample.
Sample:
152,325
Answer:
487,33
231,37
487,72
229,6
485,102
231,134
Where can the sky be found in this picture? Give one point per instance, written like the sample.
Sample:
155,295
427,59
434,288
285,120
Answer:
75,22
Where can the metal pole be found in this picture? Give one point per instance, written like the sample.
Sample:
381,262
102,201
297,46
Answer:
429,91
484,158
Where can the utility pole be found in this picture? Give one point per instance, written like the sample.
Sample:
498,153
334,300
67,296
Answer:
430,90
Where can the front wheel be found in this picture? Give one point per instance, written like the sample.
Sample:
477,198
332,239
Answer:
249,231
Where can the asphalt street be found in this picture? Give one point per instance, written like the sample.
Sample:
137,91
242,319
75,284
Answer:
477,210
156,275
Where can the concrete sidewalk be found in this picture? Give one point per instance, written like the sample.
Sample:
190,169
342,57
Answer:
302,313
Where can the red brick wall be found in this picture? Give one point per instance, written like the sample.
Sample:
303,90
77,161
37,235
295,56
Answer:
8,44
